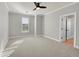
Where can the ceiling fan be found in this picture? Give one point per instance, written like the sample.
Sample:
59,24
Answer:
37,4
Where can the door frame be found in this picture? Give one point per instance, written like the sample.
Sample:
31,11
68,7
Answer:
73,13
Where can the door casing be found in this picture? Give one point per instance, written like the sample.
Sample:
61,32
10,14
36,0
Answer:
74,13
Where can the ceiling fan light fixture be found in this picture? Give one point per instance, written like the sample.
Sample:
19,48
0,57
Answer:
37,8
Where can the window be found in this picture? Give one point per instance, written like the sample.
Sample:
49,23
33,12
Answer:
25,24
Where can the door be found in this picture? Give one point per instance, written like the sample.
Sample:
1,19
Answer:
70,27
63,28
67,27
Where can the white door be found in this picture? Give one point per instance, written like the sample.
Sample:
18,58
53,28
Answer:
70,27
67,28
63,28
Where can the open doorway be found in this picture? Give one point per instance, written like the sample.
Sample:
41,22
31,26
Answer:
68,29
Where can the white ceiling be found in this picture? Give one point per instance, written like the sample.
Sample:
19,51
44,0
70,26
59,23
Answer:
27,7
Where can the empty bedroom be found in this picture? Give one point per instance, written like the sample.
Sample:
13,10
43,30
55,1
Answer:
39,29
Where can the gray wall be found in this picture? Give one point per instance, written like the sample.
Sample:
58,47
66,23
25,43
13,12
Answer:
52,22
3,26
40,23
15,24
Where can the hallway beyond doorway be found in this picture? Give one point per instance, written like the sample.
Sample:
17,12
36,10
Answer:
69,42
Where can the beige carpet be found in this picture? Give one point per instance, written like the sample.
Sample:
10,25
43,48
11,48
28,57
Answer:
42,47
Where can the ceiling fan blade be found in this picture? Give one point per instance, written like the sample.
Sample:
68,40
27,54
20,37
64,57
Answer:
35,4
42,6
34,9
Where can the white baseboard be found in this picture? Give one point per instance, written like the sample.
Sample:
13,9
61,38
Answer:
51,38
19,36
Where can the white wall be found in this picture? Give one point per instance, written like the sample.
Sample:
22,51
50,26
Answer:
39,24
52,22
3,26
51,27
